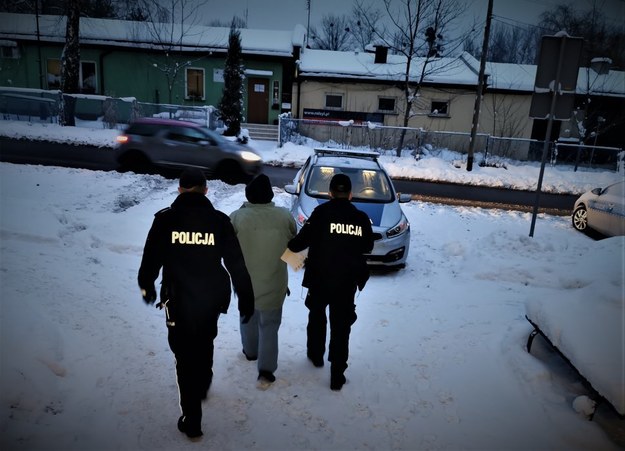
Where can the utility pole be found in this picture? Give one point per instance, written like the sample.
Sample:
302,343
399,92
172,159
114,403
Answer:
480,86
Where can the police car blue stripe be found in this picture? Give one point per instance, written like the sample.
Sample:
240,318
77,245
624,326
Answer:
374,211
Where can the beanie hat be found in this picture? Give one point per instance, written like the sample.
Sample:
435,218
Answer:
192,177
259,191
340,183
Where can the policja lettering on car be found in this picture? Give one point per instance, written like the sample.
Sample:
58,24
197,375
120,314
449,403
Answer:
345,229
199,238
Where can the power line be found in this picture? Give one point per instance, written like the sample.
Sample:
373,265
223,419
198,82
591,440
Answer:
516,23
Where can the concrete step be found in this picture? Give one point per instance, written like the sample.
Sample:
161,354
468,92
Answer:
262,131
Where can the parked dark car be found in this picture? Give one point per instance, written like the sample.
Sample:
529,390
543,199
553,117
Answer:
601,209
153,143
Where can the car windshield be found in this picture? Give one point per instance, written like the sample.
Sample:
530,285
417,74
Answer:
213,135
368,185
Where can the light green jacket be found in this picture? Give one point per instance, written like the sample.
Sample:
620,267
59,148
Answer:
264,231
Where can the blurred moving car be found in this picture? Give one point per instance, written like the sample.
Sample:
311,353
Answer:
149,143
372,192
601,209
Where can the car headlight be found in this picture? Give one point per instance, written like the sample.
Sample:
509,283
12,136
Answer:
402,226
250,156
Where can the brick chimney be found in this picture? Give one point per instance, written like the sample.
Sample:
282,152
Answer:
381,53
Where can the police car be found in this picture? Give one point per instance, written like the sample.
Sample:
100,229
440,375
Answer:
372,192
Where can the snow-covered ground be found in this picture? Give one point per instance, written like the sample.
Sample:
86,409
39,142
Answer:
436,164
437,359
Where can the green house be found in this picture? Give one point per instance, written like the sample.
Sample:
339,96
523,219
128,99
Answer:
152,63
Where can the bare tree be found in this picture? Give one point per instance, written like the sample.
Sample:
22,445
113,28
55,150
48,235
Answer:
237,21
170,28
509,43
70,63
88,8
334,34
363,28
603,45
601,39
508,116
417,31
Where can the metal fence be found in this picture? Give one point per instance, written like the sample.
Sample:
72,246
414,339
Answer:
111,112
588,156
488,149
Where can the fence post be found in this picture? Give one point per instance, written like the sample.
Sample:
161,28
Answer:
488,137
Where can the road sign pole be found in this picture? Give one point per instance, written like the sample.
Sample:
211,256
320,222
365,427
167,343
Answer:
554,98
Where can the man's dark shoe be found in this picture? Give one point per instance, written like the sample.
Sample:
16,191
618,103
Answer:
250,358
190,431
317,361
337,382
267,376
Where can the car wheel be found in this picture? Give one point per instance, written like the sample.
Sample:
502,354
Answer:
136,162
230,172
580,218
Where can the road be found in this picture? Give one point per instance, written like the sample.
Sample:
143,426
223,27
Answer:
88,157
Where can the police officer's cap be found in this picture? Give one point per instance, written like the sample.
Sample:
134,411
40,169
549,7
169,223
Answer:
340,183
192,177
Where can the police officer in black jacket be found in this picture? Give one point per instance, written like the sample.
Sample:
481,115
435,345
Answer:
337,235
189,240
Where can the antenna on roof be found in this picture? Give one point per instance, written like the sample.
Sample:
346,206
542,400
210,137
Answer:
308,26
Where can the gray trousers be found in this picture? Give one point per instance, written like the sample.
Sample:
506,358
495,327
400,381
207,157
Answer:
259,338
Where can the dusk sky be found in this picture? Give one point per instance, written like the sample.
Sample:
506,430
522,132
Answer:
284,15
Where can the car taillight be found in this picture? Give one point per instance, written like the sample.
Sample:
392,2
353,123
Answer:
122,139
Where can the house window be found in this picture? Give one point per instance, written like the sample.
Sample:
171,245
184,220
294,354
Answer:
8,49
386,104
87,79
86,75
53,73
334,101
195,84
439,108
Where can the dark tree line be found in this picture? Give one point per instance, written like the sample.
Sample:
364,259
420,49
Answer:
100,9
514,43
510,41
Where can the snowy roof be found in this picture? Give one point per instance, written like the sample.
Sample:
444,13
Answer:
142,34
453,70
459,70
361,65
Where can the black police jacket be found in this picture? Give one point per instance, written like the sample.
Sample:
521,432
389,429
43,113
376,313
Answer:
189,240
337,235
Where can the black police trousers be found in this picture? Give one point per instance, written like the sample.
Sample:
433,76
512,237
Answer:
193,350
342,316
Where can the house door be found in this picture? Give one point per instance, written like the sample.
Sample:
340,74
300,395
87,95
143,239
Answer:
258,100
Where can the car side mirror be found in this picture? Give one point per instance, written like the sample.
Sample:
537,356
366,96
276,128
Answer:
403,198
597,191
291,189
